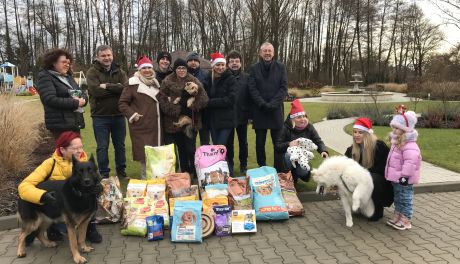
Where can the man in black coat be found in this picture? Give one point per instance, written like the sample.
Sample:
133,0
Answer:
243,105
268,88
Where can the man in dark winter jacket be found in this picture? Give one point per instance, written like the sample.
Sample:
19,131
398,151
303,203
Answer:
193,67
105,84
243,105
268,88
164,65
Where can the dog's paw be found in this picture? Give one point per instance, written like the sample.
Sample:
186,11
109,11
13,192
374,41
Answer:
21,254
50,244
349,223
355,207
79,259
86,249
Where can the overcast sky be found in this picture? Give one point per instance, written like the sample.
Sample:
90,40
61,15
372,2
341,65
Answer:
451,33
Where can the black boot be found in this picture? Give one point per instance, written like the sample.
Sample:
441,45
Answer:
378,214
53,233
92,235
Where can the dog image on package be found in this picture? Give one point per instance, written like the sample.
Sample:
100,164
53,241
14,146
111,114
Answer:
268,201
354,184
186,225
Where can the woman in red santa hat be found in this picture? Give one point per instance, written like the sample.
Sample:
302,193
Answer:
222,107
372,154
139,104
297,126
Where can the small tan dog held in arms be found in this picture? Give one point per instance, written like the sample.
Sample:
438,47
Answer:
184,121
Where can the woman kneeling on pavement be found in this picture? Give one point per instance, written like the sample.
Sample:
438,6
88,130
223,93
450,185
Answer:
57,167
372,154
297,126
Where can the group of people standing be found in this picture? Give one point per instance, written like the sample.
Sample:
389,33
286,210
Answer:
154,101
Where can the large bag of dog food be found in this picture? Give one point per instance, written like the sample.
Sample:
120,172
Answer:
211,166
159,161
266,192
186,226
110,203
239,193
136,209
289,192
178,184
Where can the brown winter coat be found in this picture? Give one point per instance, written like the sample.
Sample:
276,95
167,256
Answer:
142,99
172,88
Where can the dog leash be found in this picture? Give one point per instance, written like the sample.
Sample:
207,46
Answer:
344,184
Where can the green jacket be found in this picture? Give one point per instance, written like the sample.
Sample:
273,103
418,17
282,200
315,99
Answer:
104,102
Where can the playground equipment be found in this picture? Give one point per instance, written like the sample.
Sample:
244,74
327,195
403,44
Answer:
8,72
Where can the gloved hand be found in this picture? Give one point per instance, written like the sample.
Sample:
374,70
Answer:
404,181
49,198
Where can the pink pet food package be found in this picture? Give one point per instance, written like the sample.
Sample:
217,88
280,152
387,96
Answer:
211,166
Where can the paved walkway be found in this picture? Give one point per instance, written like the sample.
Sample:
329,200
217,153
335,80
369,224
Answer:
397,97
335,137
319,237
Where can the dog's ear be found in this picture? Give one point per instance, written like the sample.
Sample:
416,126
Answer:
91,158
75,161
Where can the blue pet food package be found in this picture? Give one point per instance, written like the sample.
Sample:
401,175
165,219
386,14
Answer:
155,224
243,221
266,191
223,220
186,225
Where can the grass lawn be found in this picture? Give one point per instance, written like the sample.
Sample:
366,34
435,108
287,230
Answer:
438,146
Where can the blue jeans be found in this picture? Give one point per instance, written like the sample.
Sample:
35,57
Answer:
296,172
104,127
220,136
404,199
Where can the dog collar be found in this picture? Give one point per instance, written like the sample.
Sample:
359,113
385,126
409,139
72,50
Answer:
344,184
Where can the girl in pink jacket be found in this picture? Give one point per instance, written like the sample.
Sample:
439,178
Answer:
403,167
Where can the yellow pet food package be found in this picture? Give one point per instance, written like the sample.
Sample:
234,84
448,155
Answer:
173,200
216,194
156,189
136,188
136,209
160,161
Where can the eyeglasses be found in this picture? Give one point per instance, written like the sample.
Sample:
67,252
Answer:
75,148
181,68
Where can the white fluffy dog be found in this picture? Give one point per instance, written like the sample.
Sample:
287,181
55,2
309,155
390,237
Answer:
354,184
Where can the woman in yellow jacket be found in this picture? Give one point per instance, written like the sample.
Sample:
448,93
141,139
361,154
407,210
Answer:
58,167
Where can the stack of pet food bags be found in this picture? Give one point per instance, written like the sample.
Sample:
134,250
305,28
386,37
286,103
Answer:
213,172
145,205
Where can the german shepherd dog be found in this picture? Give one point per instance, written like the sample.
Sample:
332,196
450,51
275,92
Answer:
76,202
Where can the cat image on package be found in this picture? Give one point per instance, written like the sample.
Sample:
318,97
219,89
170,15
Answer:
267,198
211,165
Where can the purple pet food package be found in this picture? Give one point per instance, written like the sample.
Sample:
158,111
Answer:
155,224
223,224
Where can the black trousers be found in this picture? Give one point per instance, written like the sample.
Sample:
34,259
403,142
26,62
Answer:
185,148
205,137
242,133
261,136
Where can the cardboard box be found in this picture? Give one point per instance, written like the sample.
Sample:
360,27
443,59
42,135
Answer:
244,221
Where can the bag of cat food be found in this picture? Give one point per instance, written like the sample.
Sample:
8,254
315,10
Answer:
136,188
186,226
211,166
160,161
155,227
136,210
289,193
239,193
222,220
178,184
266,193
110,203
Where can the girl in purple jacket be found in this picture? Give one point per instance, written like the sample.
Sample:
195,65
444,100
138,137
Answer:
403,167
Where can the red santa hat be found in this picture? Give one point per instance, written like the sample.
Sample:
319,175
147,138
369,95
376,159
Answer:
296,109
364,124
216,57
143,62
